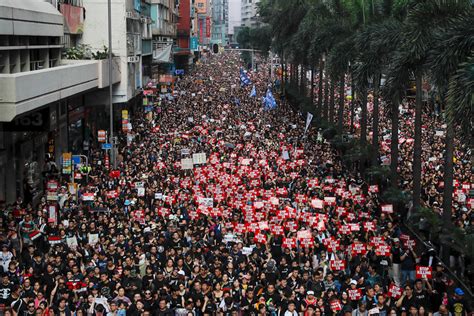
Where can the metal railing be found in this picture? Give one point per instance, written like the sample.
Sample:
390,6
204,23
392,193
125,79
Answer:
36,64
425,245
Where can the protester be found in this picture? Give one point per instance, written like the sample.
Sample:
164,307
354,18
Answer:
268,223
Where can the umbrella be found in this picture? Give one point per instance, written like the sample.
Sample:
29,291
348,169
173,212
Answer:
229,145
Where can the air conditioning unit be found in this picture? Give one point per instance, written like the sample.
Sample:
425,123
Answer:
129,15
143,20
133,59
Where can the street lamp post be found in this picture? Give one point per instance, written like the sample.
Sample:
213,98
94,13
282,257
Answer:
111,106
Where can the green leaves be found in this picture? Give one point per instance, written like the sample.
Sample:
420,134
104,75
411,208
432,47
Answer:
460,99
256,38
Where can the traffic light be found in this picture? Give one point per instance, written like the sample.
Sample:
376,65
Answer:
215,48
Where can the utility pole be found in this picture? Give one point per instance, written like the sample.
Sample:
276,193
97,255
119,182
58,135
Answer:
271,67
111,106
253,65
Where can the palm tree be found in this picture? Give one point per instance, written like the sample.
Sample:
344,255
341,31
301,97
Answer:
454,46
394,90
331,27
423,21
338,64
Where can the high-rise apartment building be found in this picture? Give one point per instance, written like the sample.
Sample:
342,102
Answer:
220,22
249,13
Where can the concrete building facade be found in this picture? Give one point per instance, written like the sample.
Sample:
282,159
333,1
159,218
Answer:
249,13
220,22
43,109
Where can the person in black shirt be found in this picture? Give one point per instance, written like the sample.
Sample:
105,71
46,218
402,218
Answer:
248,301
6,288
422,296
271,295
458,305
406,300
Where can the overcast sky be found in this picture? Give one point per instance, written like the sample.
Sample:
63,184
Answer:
234,15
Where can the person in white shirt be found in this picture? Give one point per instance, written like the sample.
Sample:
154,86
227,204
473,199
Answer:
291,310
5,257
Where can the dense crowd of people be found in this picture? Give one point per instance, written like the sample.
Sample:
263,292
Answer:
269,222
433,158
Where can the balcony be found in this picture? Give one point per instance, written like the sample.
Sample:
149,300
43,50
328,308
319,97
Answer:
103,72
26,91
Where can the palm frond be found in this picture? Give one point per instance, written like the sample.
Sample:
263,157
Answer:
460,99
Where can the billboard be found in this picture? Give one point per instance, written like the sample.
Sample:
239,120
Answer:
73,18
201,6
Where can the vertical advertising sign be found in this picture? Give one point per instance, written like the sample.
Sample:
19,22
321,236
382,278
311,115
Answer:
67,163
208,27
124,121
201,31
194,43
102,136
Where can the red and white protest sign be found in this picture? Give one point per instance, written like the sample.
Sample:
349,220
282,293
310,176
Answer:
260,238
354,294
139,216
369,226
88,196
289,243
359,248
330,200
374,188
336,305
382,250
317,203
337,265
277,230
112,194
424,272
387,208
394,291
303,234
307,242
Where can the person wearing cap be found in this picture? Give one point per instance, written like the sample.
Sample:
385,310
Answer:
458,305
309,300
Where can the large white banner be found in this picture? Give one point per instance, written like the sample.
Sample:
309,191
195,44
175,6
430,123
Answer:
199,158
187,163
309,118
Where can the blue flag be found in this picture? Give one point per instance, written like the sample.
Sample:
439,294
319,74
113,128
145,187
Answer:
253,93
269,101
244,78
